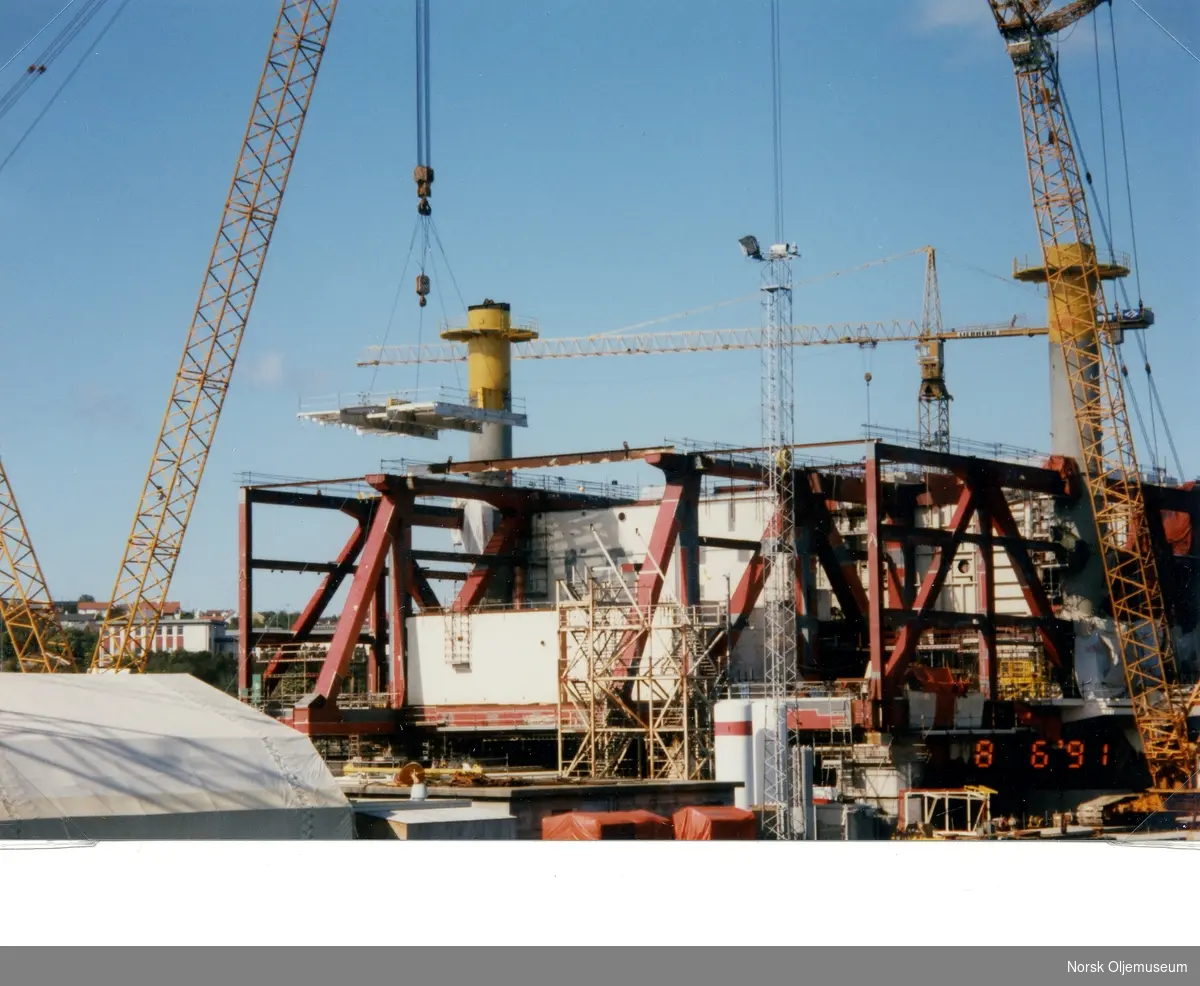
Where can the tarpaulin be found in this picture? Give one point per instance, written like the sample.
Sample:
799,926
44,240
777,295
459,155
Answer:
590,826
155,756
1177,526
713,822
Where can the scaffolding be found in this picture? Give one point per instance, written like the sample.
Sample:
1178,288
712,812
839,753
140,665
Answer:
648,716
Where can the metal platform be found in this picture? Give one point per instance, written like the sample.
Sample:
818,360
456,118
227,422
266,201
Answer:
407,415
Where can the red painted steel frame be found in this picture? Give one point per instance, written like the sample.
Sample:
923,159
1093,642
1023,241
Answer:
361,598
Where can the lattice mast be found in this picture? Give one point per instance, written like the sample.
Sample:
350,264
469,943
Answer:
26,607
230,283
778,437
1074,277
933,402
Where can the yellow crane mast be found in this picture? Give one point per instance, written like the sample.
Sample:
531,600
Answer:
251,209
1073,276
34,631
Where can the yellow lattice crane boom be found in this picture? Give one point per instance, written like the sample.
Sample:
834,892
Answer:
251,209
1074,278
699,341
26,607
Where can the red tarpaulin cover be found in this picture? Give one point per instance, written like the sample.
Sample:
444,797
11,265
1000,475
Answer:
1178,527
589,826
711,822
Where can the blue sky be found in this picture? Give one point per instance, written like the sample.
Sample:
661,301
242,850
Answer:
595,166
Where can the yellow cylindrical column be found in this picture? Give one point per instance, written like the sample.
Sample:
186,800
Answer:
489,335
1071,298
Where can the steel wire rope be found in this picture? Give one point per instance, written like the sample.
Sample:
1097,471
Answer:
70,31
1161,28
1074,132
58,92
412,242
13,57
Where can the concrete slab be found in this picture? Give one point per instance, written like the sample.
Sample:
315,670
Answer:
436,823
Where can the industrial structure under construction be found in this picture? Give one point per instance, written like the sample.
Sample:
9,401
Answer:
907,626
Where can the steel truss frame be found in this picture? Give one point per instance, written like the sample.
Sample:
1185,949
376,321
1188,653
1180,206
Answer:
646,718
885,625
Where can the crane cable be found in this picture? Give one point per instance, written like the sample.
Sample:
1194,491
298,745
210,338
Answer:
45,27
66,81
1109,242
755,296
37,68
1155,396
1163,29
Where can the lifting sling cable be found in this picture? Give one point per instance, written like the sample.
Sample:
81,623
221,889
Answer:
1146,433
1142,346
62,86
44,28
58,43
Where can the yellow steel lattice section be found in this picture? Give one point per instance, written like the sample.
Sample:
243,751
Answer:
1109,464
252,206
26,607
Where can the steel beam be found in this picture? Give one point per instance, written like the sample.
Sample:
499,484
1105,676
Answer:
560,460
443,575
400,606
1008,475
354,613
730,544
500,545
936,536
423,515
512,499
1055,643
421,591
421,554
831,551
325,591
931,586
245,592
986,583
875,578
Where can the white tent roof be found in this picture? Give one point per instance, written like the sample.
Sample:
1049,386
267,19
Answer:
155,756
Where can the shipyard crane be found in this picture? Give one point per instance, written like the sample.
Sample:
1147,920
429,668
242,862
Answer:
933,399
226,297
1073,276
26,607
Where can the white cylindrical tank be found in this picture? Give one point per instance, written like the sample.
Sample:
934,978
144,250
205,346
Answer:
733,748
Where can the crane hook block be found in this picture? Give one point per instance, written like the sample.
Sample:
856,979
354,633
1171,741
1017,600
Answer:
422,284
423,176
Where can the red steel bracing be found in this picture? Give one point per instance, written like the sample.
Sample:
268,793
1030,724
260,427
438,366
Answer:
325,591
420,590
400,600
245,593
679,495
875,577
745,597
503,541
986,583
931,587
377,667
1027,576
362,594
831,551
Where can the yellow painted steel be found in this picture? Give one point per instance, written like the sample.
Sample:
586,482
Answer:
1108,459
27,610
489,335
226,296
